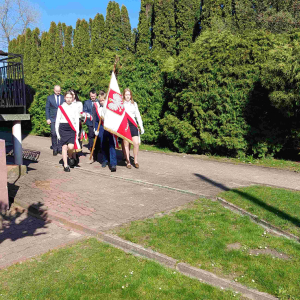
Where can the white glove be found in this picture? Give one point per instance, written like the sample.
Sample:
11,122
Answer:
89,116
142,131
58,137
96,132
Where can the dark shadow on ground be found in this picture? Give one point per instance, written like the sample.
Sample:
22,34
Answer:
212,182
281,214
17,224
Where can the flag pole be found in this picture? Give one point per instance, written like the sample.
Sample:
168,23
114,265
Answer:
95,140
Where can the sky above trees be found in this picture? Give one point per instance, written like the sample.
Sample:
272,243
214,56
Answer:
69,11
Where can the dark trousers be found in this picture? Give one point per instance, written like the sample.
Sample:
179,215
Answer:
108,148
91,136
97,149
55,143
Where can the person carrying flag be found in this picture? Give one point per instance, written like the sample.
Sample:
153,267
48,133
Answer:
116,120
67,129
98,117
107,140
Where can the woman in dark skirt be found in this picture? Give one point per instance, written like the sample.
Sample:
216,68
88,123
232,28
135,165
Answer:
131,108
67,128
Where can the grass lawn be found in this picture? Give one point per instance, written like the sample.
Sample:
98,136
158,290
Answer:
208,236
93,270
279,207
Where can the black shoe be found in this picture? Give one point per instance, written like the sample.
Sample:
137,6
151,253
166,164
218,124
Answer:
67,169
51,147
54,152
104,164
72,162
59,152
113,169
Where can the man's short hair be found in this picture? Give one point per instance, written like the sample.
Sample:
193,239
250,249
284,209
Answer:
93,91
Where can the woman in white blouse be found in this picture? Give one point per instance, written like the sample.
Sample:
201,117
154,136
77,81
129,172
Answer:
131,108
64,131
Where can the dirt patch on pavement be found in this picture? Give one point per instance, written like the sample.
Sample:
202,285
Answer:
43,185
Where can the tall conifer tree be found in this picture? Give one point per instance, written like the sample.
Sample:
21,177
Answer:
186,13
81,44
68,50
164,29
97,39
27,55
218,13
59,47
126,29
52,62
21,44
113,26
35,54
143,38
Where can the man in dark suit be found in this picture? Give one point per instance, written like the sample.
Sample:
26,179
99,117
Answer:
52,104
88,108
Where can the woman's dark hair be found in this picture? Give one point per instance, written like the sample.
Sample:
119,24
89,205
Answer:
68,92
75,94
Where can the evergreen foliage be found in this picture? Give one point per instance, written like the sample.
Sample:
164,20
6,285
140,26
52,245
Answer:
27,54
68,51
113,31
216,88
82,49
35,54
144,30
187,13
126,29
164,31
97,36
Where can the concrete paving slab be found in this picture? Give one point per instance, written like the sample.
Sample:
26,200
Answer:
23,236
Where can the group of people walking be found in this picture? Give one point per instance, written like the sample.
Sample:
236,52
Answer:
66,115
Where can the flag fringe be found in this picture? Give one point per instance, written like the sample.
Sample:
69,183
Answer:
119,135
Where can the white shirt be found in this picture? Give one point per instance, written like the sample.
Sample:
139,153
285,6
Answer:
72,112
133,111
100,110
79,106
57,99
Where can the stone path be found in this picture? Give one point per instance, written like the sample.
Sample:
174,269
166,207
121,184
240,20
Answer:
23,236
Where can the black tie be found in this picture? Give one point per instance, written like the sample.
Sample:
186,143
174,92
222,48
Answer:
57,100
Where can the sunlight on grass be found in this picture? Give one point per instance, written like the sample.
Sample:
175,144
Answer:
200,235
93,270
280,207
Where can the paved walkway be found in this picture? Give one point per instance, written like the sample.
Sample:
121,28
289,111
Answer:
93,197
96,198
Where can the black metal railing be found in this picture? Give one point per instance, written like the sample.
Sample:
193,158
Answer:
12,85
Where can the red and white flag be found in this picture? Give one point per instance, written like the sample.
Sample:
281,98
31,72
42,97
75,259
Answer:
115,116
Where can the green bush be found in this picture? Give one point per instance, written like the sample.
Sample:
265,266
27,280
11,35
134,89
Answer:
215,86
